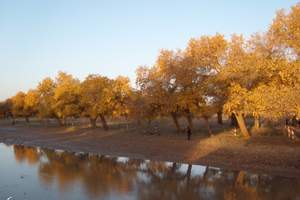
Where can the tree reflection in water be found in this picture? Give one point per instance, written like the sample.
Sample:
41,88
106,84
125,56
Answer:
101,176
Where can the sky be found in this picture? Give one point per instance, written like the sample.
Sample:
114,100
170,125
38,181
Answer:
38,38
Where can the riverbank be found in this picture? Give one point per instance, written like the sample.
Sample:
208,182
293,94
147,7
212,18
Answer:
274,155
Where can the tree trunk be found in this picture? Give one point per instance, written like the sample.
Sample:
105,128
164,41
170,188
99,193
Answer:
104,123
60,122
138,122
64,122
220,117
233,122
256,122
240,179
93,122
188,176
189,118
190,121
208,126
27,120
174,166
46,122
242,125
189,171
175,120
13,122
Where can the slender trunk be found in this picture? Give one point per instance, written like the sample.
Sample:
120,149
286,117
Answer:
104,123
190,120
13,122
220,117
65,122
27,120
242,125
188,176
139,123
208,126
175,120
256,122
93,122
189,171
46,122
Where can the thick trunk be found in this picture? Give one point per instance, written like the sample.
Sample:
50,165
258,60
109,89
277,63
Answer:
208,126
93,122
233,122
256,122
175,120
242,125
240,179
220,117
104,123
60,122
205,175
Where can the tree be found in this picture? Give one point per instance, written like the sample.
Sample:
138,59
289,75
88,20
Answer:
285,31
96,98
261,81
6,109
140,108
18,105
46,100
66,97
159,85
31,103
121,94
204,59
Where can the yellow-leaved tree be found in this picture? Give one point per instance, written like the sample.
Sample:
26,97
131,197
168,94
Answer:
96,98
66,97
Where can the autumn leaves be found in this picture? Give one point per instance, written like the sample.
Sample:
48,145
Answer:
257,78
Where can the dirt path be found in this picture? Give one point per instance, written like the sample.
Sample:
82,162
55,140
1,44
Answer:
273,155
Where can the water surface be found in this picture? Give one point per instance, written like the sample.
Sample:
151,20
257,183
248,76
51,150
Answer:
36,173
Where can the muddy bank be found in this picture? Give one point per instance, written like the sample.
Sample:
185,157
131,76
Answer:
273,155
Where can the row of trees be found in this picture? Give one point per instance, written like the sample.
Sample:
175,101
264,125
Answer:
66,97
258,77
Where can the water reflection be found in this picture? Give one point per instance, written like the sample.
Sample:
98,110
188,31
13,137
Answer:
100,177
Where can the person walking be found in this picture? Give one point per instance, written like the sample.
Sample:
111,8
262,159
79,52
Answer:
189,132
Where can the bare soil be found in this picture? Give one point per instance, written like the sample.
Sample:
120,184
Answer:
274,155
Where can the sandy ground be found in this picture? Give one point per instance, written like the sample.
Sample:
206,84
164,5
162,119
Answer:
262,154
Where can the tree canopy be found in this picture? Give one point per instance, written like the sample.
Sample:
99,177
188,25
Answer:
257,77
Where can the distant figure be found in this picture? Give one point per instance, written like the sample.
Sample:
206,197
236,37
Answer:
189,132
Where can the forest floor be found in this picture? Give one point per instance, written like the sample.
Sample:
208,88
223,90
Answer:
275,155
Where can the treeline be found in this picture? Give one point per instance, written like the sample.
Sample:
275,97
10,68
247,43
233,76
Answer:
258,77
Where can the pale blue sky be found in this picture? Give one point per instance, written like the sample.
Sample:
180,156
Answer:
40,37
